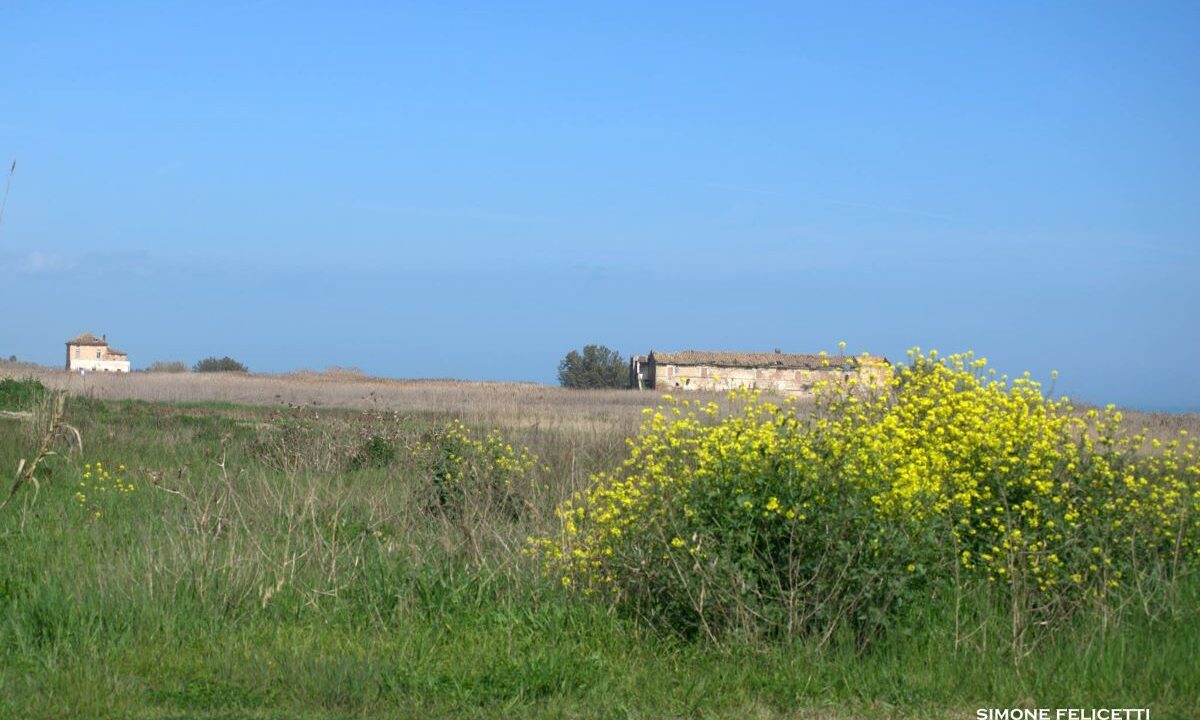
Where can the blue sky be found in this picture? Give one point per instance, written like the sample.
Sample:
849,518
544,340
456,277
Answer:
471,190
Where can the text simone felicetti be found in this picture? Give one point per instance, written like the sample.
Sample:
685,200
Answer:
1062,714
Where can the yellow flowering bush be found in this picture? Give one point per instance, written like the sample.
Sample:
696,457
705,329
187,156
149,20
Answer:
100,486
485,470
763,520
1060,507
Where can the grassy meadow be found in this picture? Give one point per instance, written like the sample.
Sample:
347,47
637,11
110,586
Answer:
289,547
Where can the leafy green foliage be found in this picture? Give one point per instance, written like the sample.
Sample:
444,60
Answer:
169,366
20,394
596,367
473,473
376,451
225,364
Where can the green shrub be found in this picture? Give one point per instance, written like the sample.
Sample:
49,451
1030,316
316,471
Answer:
375,452
168,366
20,394
225,364
596,367
476,475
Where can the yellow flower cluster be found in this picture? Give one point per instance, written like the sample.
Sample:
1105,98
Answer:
462,463
102,484
948,470
1028,486
461,453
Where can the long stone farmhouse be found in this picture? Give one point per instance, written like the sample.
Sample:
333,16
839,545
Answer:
88,352
785,373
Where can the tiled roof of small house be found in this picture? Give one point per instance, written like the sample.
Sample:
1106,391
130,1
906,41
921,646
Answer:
114,351
87,339
761,359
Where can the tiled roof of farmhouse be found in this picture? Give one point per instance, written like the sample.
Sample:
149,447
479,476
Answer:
114,351
87,339
759,359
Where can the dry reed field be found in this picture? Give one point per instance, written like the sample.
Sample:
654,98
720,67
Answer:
504,404
493,403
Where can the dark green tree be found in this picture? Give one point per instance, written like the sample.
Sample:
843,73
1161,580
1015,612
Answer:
596,367
167,366
225,364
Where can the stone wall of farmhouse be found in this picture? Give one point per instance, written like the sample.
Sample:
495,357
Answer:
788,381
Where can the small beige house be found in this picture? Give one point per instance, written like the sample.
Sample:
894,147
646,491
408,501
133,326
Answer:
88,352
786,373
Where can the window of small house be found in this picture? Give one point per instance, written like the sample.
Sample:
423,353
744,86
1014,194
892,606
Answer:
76,353
97,354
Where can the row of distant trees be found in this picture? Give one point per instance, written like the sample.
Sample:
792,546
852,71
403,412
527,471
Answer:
596,366
593,367
208,364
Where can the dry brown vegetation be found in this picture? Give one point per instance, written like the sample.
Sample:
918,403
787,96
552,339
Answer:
512,405
505,404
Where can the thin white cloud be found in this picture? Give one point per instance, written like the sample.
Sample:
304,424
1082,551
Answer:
843,203
890,209
744,189
39,262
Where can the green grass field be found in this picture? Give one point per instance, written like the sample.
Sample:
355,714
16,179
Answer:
254,562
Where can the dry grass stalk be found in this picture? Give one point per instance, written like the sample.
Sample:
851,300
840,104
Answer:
54,427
